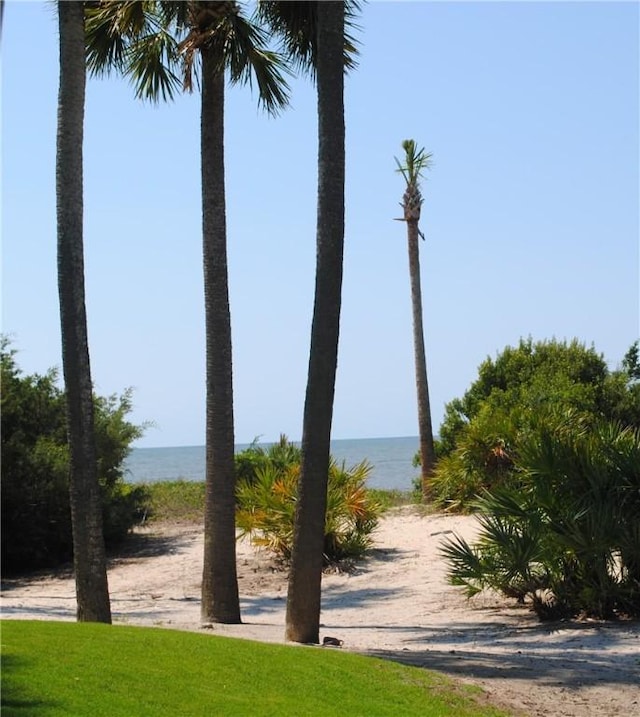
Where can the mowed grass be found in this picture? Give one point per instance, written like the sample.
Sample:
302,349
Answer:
58,668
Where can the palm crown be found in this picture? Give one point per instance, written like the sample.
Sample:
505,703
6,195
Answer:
416,161
155,44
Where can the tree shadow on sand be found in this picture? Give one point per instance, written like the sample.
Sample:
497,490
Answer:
148,545
573,654
135,547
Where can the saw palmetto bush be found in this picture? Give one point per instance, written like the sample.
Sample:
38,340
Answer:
567,538
266,498
483,459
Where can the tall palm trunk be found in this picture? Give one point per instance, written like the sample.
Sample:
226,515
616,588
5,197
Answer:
427,452
220,600
84,491
304,590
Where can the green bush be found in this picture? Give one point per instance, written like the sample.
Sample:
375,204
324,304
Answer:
36,518
483,431
280,456
567,537
267,503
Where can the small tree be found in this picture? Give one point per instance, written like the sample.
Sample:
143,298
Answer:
483,431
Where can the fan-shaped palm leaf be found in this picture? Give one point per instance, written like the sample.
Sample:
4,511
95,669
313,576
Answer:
295,24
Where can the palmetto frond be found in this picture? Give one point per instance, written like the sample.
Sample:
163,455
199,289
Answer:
156,45
151,60
107,27
295,23
137,40
241,46
415,163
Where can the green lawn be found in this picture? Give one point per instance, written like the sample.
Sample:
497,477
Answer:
58,668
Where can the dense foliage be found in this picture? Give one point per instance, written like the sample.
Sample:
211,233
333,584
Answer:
36,518
482,432
267,491
566,533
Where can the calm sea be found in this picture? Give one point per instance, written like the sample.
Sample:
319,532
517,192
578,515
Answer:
391,459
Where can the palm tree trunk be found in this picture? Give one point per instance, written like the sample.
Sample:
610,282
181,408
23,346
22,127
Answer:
305,577
89,558
427,452
220,600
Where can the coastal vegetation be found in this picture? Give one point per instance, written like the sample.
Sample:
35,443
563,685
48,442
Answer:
36,514
122,671
554,483
481,434
267,497
36,518
545,447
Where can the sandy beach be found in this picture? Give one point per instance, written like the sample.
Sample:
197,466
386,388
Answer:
396,604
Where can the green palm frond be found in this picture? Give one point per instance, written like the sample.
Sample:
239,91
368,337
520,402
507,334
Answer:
295,24
415,162
467,569
241,46
156,46
109,25
149,66
137,40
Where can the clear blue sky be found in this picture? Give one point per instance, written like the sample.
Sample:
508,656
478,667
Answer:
531,215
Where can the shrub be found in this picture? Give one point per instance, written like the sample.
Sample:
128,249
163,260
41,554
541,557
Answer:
36,518
280,455
267,503
568,536
483,431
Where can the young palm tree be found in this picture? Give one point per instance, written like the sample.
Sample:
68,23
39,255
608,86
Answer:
314,35
416,161
89,559
153,42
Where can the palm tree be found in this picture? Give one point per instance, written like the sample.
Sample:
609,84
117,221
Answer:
89,560
314,35
416,161
144,45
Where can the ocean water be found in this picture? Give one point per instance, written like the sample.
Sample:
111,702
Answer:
391,459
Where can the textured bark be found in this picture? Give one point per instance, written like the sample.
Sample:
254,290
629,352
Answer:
304,590
89,559
220,600
427,452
